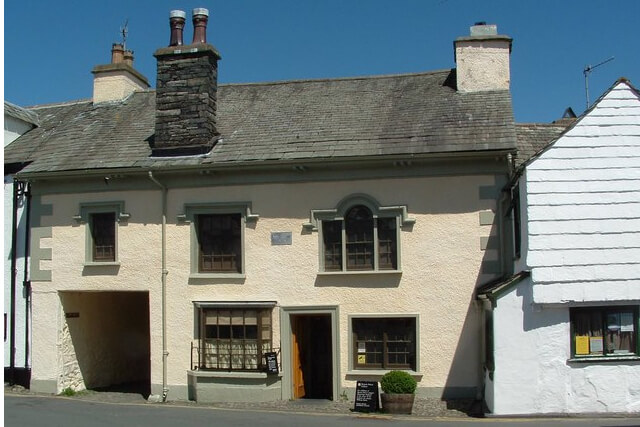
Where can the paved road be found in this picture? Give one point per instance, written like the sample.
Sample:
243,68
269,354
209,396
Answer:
30,411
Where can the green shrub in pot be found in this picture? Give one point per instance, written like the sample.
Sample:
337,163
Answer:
398,382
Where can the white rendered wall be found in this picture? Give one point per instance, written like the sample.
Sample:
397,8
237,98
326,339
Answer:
532,373
583,207
13,128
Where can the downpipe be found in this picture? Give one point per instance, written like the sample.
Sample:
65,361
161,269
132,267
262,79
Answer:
165,272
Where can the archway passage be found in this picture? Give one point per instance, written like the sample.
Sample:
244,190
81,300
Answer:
106,341
312,362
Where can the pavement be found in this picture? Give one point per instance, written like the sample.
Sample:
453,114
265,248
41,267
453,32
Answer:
422,407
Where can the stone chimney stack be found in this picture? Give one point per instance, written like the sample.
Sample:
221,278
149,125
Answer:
482,59
186,90
117,80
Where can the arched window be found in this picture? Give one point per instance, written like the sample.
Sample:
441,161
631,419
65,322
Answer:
363,238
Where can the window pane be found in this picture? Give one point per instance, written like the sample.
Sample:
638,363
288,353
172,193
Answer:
332,245
219,241
384,343
604,331
230,338
359,232
103,234
387,244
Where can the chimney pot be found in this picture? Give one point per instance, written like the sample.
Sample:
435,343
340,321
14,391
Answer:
117,53
176,22
128,57
200,19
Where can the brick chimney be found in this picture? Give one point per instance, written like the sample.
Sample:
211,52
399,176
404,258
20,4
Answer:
482,59
117,80
186,90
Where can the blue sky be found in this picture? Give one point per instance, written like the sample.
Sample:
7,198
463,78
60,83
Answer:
50,47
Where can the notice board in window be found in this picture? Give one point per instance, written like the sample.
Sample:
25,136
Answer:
367,397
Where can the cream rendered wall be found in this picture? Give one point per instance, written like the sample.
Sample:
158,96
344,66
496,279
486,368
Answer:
441,266
115,86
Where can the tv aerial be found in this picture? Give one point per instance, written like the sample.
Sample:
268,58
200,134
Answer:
587,70
124,31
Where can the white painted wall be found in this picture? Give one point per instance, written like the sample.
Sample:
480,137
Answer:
532,375
581,242
13,128
583,207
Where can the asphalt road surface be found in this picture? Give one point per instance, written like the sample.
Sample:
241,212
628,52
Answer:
31,411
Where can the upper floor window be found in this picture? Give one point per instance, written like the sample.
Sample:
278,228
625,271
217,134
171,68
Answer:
219,243
604,331
103,236
360,235
217,237
101,219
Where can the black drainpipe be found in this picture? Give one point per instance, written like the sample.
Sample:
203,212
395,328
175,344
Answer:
12,305
27,283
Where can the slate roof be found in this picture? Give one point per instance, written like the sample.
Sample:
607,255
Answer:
294,121
533,137
20,113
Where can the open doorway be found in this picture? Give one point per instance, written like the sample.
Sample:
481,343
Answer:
311,356
106,341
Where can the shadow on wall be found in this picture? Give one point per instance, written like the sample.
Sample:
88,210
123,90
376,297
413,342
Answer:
106,341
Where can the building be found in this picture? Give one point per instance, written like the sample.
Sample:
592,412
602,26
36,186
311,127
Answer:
185,237
17,362
564,329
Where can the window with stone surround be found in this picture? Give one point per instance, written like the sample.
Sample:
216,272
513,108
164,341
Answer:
217,237
359,235
102,220
233,337
384,342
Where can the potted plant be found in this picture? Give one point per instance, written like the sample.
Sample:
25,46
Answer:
398,392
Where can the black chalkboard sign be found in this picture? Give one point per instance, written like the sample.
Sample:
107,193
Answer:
272,362
367,397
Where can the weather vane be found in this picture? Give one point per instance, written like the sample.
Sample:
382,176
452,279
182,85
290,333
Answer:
124,30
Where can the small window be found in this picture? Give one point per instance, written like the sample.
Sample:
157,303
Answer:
517,232
103,236
233,338
219,243
384,343
604,332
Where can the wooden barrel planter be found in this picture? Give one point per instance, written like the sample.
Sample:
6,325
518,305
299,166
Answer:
397,403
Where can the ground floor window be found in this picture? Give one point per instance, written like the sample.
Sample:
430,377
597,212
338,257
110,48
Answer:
384,343
604,331
233,338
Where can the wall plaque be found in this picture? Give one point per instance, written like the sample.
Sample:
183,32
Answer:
280,238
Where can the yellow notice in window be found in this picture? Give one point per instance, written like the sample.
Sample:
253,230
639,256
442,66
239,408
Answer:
582,344
362,358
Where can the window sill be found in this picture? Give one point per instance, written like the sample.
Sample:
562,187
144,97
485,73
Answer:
358,272
217,276
229,374
380,372
102,264
598,359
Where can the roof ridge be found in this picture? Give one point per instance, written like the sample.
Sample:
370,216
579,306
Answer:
332,79
59,104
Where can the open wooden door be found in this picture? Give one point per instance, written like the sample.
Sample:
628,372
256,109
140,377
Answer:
296,343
